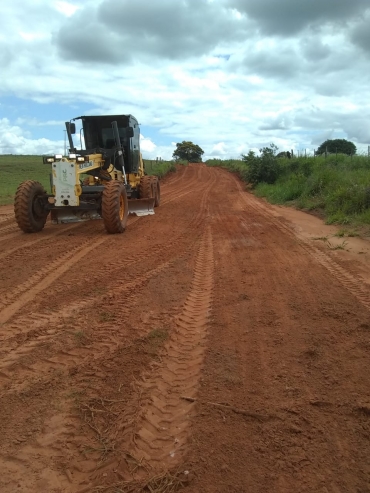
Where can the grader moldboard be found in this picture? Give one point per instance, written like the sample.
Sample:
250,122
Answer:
105,180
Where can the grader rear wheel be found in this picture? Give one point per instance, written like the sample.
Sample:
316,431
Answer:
146,187
29,210
157,191
115,207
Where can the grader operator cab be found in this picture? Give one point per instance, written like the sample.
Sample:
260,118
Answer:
104,180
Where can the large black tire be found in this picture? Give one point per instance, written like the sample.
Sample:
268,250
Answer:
30,213
157,191
146,187
115,207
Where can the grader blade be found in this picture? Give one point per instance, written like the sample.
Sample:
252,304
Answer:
141,207
65,215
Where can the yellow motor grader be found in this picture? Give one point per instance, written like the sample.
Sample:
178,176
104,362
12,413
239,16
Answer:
104,180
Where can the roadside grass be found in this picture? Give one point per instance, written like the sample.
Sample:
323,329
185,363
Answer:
159,168
16,168
321,238
336,187
235,165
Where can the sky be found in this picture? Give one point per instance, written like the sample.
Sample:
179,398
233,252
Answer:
229,75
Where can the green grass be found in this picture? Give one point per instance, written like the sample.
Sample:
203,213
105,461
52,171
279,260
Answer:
156,339
159,168
15,169
235,165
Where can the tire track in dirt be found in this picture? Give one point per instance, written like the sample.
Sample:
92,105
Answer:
122,262
340,445
177,177
119,263
263,316
179,192
40,330
33,241
302,379
12,227
11,365
6,218
108,338
79,237
354,284
12,301
162,430
39,326
25,292
9,236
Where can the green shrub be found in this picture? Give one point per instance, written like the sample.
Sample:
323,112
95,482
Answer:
264,168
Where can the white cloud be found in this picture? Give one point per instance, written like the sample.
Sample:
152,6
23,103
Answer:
66,8
13,141
219,150
229,75
28,36
147,145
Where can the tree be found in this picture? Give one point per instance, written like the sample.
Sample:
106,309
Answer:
286,154
188,151
342,146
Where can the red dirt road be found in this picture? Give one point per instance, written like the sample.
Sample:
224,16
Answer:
213,347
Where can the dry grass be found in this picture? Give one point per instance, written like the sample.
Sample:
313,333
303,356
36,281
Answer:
166,482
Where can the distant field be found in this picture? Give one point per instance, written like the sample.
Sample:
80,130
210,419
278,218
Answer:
15,169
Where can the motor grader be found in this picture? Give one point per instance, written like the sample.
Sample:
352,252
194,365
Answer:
105,179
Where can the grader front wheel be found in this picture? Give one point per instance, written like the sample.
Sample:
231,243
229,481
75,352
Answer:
29,202
115,207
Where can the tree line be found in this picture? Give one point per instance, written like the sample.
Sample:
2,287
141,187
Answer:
188,151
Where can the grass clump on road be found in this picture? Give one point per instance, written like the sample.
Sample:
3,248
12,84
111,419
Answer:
336,186
156,339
